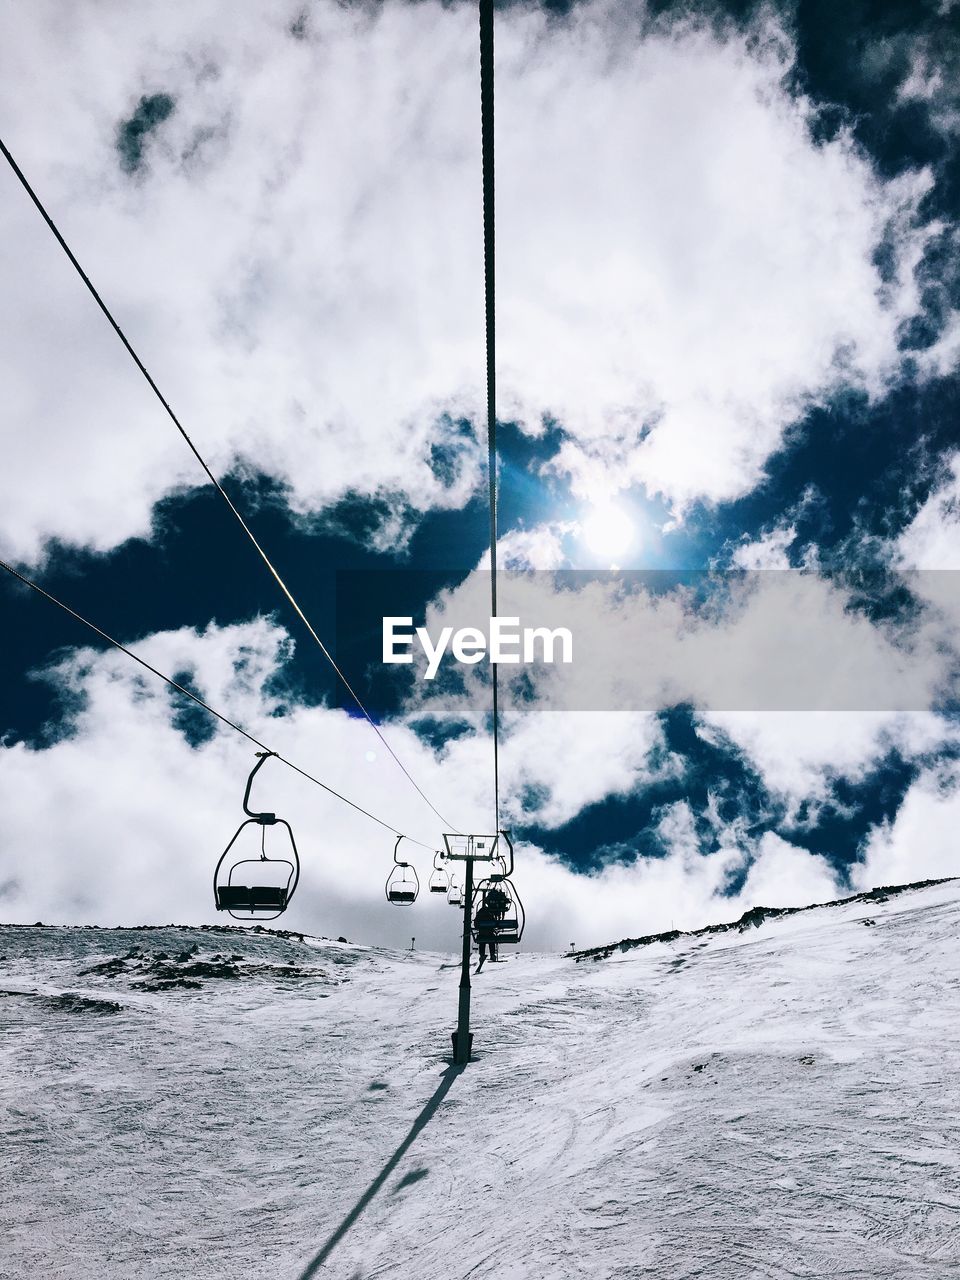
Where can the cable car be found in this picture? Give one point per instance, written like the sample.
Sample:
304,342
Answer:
266,893
438,882
403,884
498,914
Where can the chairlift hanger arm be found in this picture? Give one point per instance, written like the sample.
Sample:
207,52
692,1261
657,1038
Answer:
267,819
508,871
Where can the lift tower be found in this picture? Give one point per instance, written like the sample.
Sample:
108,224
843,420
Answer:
469,849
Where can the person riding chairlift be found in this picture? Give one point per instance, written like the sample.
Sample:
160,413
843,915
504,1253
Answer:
489,914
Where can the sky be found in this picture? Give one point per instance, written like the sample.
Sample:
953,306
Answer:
728,313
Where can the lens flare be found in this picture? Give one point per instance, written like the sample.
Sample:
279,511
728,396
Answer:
608,531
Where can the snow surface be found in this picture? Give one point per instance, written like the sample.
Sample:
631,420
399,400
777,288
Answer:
782,1102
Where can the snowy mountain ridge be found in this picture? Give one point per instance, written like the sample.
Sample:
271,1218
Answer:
752,919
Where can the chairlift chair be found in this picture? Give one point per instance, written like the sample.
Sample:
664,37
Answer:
454,893
265,894
504,918
438,882
402,884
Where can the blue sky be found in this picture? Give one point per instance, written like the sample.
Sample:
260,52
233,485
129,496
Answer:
729,306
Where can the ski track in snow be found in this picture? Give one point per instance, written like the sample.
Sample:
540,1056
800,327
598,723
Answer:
778,1103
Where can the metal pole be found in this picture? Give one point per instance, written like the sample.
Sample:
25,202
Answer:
462,1038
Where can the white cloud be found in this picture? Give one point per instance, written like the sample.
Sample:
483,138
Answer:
768,552
943,356
932,539
921,841
762,641
928,552
560,762
800,754
783,875
540,547
932,76
742,279
300,261
683,271
122,821
783,670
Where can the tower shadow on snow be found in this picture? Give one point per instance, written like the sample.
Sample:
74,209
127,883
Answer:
421,1122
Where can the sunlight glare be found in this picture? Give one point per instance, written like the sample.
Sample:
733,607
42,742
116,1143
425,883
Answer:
608,531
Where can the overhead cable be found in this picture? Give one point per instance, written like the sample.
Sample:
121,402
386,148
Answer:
35,586
489,298
210,476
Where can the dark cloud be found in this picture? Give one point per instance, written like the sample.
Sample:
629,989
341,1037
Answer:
132,134
196,725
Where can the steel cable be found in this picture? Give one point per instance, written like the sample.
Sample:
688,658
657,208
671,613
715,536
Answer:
210,476
489,300
35,586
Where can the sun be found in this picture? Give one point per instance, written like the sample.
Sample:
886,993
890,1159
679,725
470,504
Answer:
608,531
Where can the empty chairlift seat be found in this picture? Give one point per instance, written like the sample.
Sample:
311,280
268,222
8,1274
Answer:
401,892
438,882
256,897
402,884
257,888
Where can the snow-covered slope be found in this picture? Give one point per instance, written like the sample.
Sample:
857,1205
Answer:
782,1102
